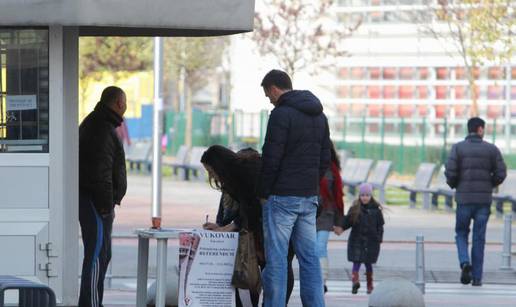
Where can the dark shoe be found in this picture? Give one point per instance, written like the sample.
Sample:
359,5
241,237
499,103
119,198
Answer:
465,276
369,278
325,289
477,282
356,282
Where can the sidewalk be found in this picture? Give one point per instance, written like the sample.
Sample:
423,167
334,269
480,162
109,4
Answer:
185,205
437,295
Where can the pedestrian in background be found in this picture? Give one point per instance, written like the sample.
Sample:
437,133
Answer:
474,168
331,210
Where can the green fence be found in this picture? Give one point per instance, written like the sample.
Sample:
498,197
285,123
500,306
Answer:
216,127
409,141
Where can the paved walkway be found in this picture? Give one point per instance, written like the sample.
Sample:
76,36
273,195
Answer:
185,205
437,295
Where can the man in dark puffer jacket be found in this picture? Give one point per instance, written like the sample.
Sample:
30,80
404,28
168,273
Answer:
474,168
296,154
102,185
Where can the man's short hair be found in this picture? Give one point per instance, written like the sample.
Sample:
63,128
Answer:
110,95
277,78
474,123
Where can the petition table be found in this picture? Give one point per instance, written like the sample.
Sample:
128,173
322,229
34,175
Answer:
161,235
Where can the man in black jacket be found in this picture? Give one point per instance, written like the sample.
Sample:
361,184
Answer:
474,168
295,156
102,185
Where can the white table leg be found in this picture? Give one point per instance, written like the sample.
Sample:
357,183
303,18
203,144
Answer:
161,272
143,264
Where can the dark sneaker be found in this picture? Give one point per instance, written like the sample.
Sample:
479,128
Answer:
465,276
325,289
477,282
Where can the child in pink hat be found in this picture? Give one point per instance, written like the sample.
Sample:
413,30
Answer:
366,221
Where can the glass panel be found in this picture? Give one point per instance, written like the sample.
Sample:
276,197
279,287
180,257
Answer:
24,99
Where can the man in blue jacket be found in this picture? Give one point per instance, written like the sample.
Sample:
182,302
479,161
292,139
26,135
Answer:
295,156
474,168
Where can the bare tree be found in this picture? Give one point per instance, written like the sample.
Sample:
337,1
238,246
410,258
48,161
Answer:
189,65
301,34
479,31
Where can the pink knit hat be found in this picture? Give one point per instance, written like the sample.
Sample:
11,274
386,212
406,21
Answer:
365,189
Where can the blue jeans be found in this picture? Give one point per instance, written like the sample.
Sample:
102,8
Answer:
286,217
479,213
322,243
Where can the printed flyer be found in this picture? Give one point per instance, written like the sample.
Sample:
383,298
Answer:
206,260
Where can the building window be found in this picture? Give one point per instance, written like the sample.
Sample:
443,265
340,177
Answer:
422,92
441,92
373,92
344,73
343,92
389,73
374,73
495,73
442,73
389,92
423,73
495,92
406,92
406,73
358,73
24,90
461,92
358,91
460,73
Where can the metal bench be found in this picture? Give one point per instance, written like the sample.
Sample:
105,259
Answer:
359,171
180,161
421,184
344,155
30,294
138,154
378,177
441,188
506,192
194,165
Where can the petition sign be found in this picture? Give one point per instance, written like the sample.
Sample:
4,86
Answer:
206,261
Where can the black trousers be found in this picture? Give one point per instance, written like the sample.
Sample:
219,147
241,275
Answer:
96,231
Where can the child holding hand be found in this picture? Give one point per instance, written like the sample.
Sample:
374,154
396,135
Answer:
366,221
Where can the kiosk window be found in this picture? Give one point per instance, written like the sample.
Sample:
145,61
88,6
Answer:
24,98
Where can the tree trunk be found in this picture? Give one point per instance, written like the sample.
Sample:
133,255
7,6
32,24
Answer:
188,114
470,70
473,95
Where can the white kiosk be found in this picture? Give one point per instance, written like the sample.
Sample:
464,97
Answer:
39,237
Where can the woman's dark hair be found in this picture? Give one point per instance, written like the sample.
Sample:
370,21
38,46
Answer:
238,177
354,211
334,155
236,172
